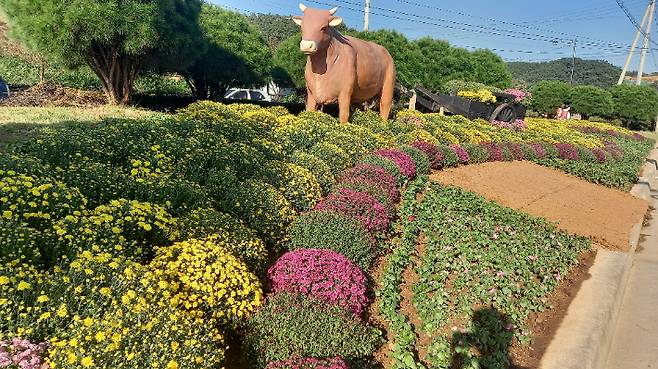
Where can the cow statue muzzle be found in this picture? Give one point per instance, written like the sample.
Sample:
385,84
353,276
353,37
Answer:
308,47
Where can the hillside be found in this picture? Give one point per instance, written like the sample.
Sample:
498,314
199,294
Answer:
589,72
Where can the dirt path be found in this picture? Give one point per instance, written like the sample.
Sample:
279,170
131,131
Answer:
579,207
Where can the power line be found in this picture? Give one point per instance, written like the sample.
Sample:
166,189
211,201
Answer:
570,36
474,28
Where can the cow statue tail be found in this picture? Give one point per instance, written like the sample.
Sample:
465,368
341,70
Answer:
386,101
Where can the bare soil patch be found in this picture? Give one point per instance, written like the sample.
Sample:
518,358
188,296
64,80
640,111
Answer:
603,214
47,94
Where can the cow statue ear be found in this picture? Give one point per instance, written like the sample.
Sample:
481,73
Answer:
335,21
297,20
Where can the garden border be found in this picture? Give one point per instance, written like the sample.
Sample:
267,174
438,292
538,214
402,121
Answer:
584,337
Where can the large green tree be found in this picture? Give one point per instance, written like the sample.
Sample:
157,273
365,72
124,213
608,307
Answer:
490,69
636,106
586,72
115,38
591,100
547,96
289,63
235,54
275,28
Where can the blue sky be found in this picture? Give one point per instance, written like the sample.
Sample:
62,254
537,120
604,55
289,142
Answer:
518,30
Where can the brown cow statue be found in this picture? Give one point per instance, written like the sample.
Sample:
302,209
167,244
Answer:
343,68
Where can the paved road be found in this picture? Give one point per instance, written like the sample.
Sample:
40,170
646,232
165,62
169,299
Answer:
635,342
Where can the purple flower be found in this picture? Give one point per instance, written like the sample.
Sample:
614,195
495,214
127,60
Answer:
375,176
567,151
600,155
517,125
518,94
432,151
461,153
539,150
494,151
22,354
402,160
360,205
516,150
613,149
323,274
309,363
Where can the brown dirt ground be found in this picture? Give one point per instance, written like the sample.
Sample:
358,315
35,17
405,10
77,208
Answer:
603,214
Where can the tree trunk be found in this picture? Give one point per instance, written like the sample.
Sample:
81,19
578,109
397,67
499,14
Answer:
116,72
199,87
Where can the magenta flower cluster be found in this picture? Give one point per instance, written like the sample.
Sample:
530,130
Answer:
567,151
613,149
402,160
517,125
519,95
539,150
360,205
494,151
374,176
323,274
309,363
461,153
516,150
600,155
432,151
22,354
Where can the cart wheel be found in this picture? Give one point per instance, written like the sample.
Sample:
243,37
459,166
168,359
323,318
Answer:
504,113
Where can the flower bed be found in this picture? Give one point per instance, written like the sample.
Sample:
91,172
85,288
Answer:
162,225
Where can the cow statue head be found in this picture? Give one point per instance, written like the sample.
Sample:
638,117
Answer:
316,25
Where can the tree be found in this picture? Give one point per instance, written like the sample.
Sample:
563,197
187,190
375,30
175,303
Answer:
490,69
547,96
235,54
407,56
586,72
275,28
115,38
591,100
289,63
636,106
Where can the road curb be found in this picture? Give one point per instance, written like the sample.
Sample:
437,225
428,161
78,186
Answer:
584,337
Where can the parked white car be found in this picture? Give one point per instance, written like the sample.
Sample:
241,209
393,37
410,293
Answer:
246,94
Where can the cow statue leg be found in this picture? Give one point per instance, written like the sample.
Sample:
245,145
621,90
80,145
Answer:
344,105
311,104
386,101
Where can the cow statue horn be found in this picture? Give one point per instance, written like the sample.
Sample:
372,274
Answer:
302,7
333,11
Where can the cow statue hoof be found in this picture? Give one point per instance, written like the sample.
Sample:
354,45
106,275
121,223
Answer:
341,68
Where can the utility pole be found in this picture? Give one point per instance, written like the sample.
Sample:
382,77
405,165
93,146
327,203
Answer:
645,47
366,16
573,61
634,45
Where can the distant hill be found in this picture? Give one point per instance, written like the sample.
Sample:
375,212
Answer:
587,72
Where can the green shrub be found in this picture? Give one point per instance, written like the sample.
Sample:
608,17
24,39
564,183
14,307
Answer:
636,106
476,153
334,231
349,143
591,100
158,84
420,159
333,155
547,96
297,326
122,227
450,159
315,165
234,235
297,184
370,120
262,207
178,196
20,242
386,164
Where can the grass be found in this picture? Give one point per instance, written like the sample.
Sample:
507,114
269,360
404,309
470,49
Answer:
22,123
